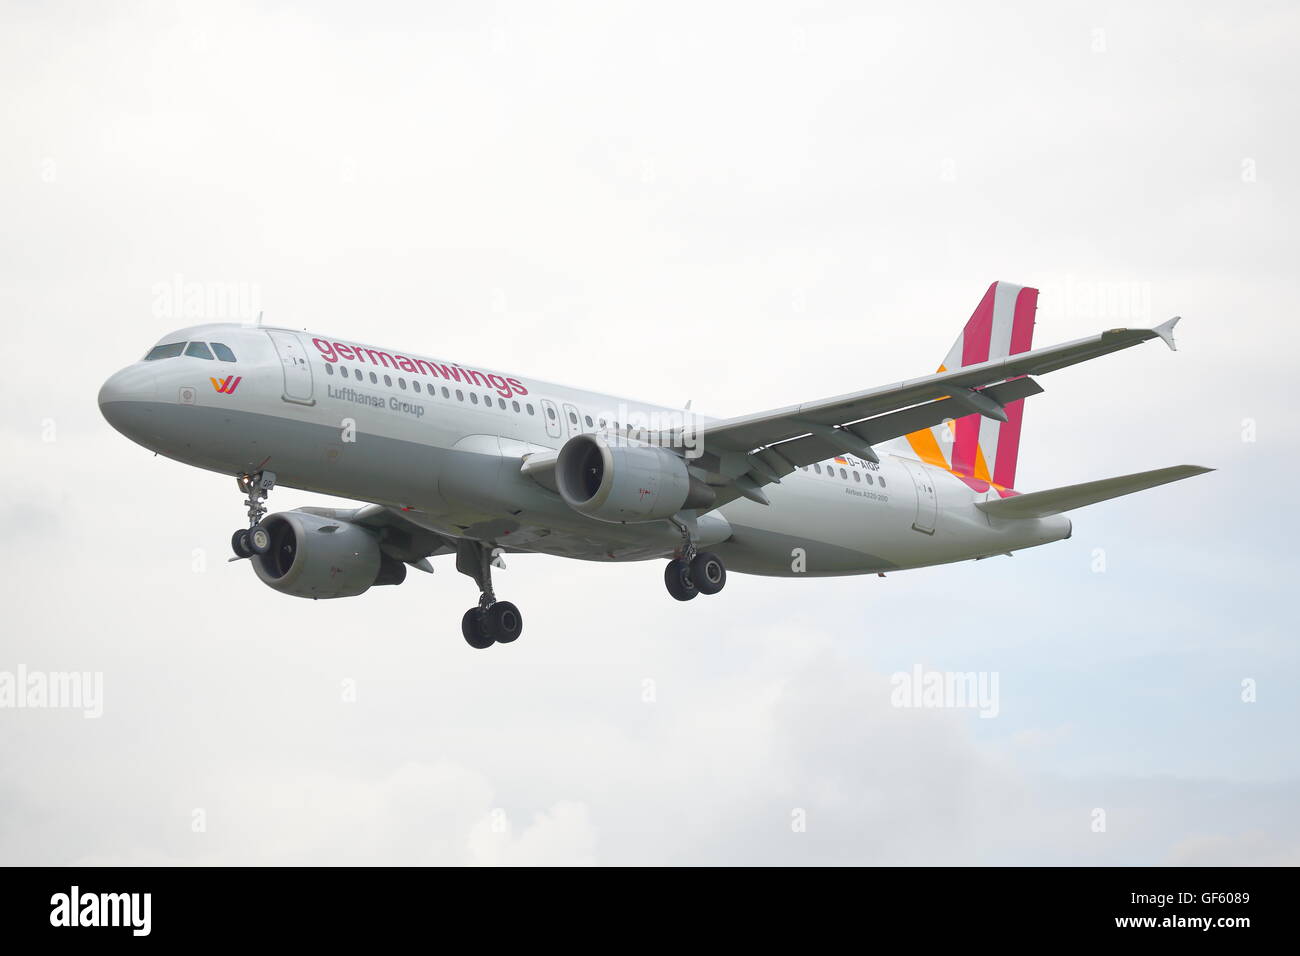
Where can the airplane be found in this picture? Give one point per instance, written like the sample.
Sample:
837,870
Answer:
452,459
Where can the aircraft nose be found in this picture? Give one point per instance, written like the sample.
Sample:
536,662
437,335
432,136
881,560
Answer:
126,400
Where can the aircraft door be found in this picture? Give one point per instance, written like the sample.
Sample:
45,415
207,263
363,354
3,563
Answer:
927,502
572,420
552,416
297,370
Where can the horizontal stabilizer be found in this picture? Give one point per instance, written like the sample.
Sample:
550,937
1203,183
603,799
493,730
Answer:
1041,504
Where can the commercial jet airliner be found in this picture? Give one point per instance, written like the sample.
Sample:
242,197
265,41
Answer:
458,460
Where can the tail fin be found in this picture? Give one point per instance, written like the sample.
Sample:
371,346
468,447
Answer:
974,447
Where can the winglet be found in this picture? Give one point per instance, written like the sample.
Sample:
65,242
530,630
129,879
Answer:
1166,331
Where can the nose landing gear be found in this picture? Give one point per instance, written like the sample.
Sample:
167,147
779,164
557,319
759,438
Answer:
254,539
492,621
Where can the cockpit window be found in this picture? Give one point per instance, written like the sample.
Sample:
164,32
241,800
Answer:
170,350
223,352
199,350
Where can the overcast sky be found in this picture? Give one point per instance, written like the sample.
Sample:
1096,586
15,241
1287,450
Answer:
746,205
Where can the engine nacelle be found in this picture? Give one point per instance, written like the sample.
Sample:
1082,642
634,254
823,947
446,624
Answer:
622,483
315,557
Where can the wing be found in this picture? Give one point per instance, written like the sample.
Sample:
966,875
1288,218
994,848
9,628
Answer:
753,450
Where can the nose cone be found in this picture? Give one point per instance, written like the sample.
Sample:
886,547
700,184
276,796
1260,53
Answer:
128,400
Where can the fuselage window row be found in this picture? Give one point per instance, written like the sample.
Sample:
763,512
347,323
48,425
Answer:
414,385
857,476
576,418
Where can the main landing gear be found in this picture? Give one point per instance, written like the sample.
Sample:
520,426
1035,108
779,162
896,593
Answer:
695,572
254,539
492,621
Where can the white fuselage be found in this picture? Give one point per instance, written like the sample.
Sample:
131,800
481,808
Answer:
444,443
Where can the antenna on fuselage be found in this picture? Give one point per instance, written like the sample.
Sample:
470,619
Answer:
260,313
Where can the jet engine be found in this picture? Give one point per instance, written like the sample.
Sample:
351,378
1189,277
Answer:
626,483
315,557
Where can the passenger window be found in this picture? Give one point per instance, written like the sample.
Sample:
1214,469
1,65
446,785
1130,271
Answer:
857,477
223,352
198,350
515,405
573,419
402,383
870,480
374,379
388,381
844,474
882,481
502,403
329,369
445,393
170,350
550,413
530,408
473,397
588,420
817,468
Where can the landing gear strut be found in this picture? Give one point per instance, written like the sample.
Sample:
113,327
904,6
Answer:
492,621
694,572
254,539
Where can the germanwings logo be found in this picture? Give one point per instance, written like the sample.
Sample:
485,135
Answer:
227,385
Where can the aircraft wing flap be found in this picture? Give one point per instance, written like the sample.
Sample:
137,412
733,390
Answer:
896,424
747,432
804,451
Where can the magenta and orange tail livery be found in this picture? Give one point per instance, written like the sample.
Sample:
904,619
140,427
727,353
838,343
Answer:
980,450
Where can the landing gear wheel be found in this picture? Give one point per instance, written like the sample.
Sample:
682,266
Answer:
471,625
259,540
503,622
678,581
708,573
493,621
240,545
